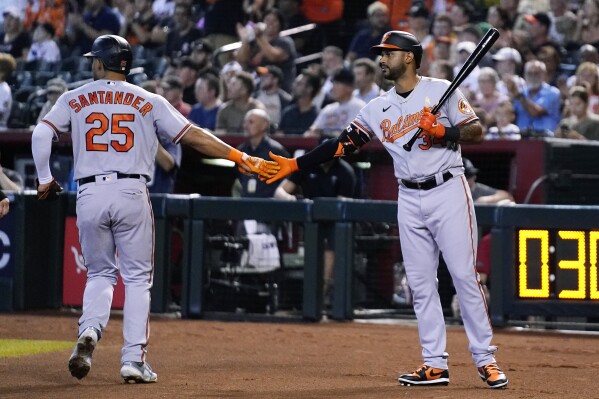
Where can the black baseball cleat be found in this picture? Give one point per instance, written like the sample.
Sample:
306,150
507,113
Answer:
492,375
425,375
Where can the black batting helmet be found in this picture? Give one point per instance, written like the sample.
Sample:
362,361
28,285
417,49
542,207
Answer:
114,51
398,40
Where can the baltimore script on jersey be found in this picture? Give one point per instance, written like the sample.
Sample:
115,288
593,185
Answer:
110,97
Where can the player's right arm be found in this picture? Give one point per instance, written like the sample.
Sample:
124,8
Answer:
352,138
205,142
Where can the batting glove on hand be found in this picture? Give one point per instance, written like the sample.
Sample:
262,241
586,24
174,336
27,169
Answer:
287,167
253,165
48,191
428,123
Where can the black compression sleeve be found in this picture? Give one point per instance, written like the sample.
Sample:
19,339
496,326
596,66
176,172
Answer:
2,195
324,152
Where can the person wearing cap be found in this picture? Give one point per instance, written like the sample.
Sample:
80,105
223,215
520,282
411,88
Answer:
334,117
508,64
435,212
270,93
538,26
171,88
201,54
263,45
44,48
14,40
54,88
364,39
470,85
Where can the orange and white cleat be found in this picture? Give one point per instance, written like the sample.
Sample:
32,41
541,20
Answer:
425,375
492,375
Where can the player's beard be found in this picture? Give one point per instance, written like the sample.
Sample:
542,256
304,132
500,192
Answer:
393,74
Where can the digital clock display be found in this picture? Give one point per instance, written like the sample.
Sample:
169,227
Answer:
556,264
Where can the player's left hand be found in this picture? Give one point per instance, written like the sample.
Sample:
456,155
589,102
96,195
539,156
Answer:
48,191
286,167
428,123
264,169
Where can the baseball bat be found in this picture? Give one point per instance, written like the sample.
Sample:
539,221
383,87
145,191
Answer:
481,49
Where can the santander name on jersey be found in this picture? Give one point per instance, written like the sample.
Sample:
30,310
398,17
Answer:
110,97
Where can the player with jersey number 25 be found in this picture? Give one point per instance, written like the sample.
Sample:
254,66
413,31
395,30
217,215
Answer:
435,208
114,127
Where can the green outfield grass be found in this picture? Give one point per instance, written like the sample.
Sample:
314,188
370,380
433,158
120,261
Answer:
25,347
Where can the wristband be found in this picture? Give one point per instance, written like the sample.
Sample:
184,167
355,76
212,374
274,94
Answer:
452,134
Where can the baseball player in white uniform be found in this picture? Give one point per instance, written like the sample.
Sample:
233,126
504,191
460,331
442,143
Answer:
435,208
114,127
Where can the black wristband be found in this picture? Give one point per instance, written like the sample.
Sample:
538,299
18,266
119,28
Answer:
324,152
452,134
2,196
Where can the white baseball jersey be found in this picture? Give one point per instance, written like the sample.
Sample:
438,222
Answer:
394,119
114,125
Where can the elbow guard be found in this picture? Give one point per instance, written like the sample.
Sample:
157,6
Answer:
352,138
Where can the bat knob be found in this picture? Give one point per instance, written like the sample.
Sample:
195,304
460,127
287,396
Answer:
407,147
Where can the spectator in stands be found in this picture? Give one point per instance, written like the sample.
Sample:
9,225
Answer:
538,104
322,98
171,88
262,45
581,124
299,116
462,13
511,7
201,55
442,30
98,19
538,26
220,23
333,179
470,85
227,73
549,55
229,119
207,92
588,52
504,128
442,50
336,116
498,18
142,26
507,64
587,30
47,11
366,89
364,39
488,97
419,23
182,33
54,88
168,161
293,17
10,180
255,10
563,23
587,75
270,93
44,48
188,71
441,69
332,61
7,66
258,143
14,40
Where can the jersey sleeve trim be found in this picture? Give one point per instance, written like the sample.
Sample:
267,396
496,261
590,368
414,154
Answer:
178,137
51,125
362,128
472,118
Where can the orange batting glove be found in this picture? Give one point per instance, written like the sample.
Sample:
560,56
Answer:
247,164
287,167
428,123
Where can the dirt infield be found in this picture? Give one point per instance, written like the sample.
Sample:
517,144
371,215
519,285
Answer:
209,359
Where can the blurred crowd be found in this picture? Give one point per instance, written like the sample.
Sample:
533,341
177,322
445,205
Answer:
215,60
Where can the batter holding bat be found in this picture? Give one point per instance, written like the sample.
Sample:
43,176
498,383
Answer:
114,127
435,208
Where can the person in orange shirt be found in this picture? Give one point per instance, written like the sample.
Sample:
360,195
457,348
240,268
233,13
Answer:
50,11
